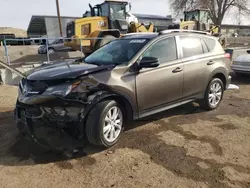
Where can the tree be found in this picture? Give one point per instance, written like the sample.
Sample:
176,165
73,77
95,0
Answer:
218,8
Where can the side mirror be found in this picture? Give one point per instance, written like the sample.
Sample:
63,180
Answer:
149,62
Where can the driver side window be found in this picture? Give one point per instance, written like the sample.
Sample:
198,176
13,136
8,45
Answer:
165,50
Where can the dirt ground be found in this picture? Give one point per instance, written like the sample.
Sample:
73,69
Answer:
183,147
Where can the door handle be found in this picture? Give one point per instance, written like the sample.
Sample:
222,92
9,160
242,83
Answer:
210,63
178,69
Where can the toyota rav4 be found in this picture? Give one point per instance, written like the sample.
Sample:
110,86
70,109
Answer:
127,79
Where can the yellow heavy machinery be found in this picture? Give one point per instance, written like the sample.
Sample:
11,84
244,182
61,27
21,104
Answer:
107,21
199,19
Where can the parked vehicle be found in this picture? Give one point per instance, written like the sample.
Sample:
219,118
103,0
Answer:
241,65
126,79
12,40
55,46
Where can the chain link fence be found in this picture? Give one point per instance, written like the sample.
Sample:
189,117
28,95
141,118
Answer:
23,55
37,50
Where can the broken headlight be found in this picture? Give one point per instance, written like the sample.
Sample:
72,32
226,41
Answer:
61,90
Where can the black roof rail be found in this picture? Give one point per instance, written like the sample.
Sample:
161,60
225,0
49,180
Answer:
183,30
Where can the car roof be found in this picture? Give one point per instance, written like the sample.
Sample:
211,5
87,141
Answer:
148,35
152,35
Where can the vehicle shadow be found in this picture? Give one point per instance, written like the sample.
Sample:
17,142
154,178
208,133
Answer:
240,79
186,114
15,150
18,151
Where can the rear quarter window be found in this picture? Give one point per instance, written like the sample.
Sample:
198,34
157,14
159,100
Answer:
210,43
191,46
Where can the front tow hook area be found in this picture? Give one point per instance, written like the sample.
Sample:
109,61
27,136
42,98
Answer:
50,139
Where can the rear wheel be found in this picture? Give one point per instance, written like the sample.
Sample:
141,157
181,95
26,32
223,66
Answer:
105,124
214,94
106,39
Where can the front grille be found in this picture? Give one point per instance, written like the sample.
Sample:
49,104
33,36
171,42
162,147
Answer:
33,112
28,110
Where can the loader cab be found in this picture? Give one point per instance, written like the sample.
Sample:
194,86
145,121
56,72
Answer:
115,11
200,16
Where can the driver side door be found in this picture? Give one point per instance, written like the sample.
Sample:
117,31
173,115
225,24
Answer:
159,87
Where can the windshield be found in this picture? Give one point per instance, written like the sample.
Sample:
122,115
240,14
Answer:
191,16
204,16
119,51
117,11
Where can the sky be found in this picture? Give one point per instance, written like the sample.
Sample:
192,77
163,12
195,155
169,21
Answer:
22,10
17,13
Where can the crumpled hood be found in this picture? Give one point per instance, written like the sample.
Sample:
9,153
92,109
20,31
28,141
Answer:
65,70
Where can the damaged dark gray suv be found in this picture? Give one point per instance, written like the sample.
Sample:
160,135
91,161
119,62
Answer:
127,79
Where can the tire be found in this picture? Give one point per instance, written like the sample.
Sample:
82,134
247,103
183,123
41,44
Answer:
51,51
106,39
213,97
95,124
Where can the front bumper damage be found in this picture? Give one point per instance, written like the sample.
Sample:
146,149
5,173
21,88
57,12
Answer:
55,128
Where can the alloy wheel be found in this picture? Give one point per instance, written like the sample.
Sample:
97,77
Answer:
215,94
51,51
113,124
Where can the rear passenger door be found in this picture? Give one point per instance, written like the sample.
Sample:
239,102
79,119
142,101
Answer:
195,66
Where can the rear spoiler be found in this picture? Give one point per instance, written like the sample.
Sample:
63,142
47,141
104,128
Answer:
13,70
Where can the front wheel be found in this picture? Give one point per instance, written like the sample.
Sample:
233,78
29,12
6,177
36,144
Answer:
105,124
214,94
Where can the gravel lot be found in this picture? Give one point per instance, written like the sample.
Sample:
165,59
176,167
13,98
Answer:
184,147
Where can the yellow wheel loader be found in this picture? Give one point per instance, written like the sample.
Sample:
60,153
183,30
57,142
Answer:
199,19
106,21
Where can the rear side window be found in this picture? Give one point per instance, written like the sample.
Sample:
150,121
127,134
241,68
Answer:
191,46
210,43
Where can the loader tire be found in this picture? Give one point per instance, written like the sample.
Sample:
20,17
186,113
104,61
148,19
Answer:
106,39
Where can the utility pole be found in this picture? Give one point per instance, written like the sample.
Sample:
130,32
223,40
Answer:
59,17
239,14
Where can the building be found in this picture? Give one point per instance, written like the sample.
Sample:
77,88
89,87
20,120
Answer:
230,30
47,26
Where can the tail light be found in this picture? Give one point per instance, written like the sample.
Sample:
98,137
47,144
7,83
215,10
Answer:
228,55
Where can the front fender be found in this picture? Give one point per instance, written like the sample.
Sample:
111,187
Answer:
99,96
